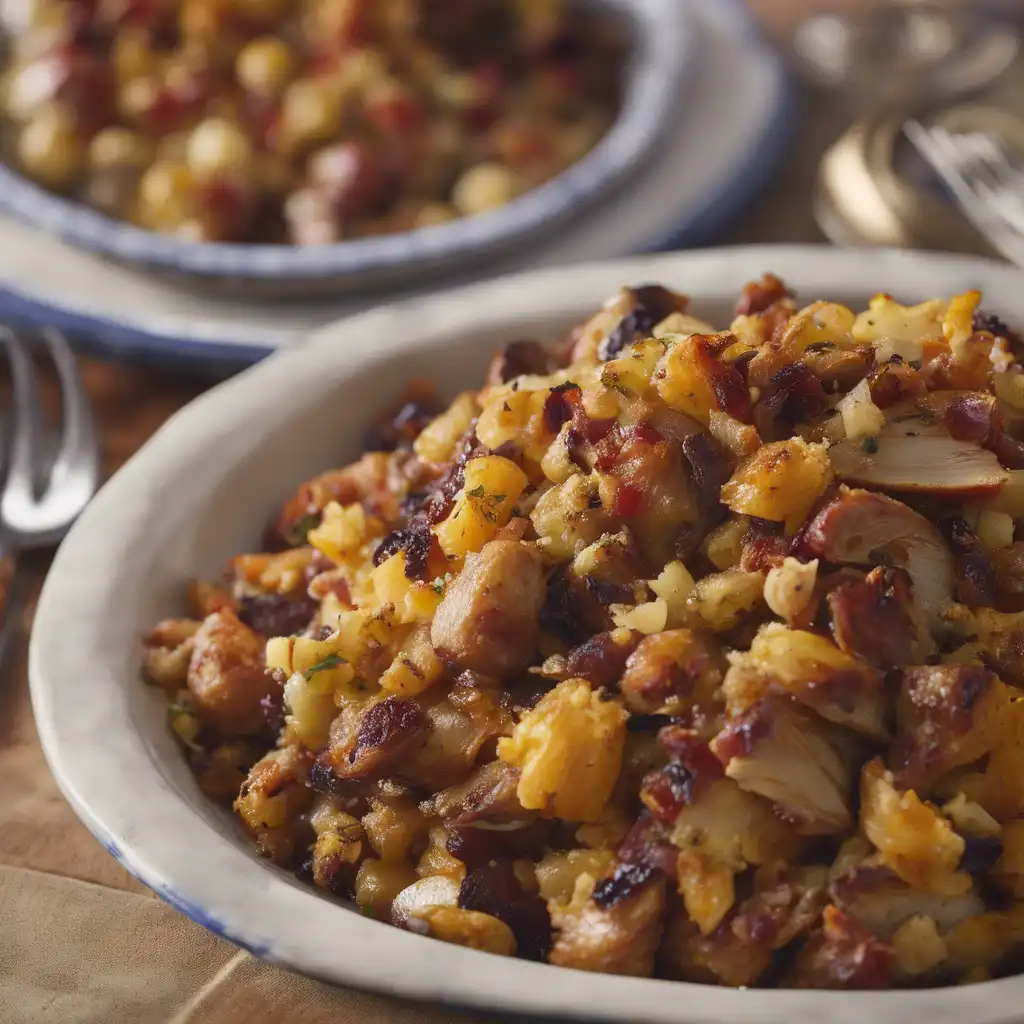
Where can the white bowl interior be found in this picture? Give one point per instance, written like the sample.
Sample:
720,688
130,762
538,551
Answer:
203,489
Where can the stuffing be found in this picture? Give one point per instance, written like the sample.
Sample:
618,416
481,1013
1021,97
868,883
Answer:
668,651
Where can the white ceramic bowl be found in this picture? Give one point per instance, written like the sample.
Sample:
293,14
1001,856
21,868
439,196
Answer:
201,490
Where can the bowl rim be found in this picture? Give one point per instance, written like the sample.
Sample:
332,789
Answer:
664,55
214,884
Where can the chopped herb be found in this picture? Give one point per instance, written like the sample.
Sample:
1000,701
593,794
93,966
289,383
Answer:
367,911
869,445
303,525
177,710
439,583
331,661
477,492
498,498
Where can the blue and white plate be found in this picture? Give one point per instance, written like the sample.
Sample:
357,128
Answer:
663,51
730,128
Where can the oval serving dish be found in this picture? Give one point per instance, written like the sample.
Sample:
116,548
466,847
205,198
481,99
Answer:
239,450
662,52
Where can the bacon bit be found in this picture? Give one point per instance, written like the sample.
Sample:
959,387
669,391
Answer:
560,405
416,542
517,359
399,427
795,395
872,619
691,770
646,843
276,615
494,889
742,734
895,381
652,304
763,550
975,579
843,955
629,500
759,296
627,880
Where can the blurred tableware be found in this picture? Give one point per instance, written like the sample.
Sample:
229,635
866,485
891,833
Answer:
662,53
49,479
879,51
985,178
723,146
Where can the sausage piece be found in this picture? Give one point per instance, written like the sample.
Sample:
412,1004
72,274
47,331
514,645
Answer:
489,619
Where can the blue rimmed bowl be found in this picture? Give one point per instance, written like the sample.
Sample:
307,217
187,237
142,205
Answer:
662,51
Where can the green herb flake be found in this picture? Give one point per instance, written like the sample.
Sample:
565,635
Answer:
331,661
869,445
367,911
303,525
477,492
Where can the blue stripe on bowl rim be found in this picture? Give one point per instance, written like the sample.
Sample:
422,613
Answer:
664,53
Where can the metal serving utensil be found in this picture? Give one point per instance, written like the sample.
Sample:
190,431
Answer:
49,479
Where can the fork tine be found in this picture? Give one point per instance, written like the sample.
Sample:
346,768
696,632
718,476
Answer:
78,455
27,426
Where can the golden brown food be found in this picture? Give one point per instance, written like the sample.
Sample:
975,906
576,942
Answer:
669,651
307,122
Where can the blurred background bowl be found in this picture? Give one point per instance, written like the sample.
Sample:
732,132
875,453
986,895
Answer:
662,48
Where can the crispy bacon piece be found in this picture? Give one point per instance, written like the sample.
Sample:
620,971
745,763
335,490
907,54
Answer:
874,619
416,541
518,359
651,304
401,425
647,843
382,734
794,395
843,955
691,769
975,580
277,614
783,752
947,717
759,296
494,889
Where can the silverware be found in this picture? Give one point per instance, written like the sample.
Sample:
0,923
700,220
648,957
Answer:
50,476
985,179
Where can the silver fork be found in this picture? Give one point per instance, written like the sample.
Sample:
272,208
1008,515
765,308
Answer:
43,493
985,180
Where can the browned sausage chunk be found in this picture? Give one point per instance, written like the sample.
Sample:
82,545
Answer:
488,621
227,675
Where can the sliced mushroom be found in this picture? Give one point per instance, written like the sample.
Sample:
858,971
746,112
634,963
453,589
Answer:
914,455
801,763
863,528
